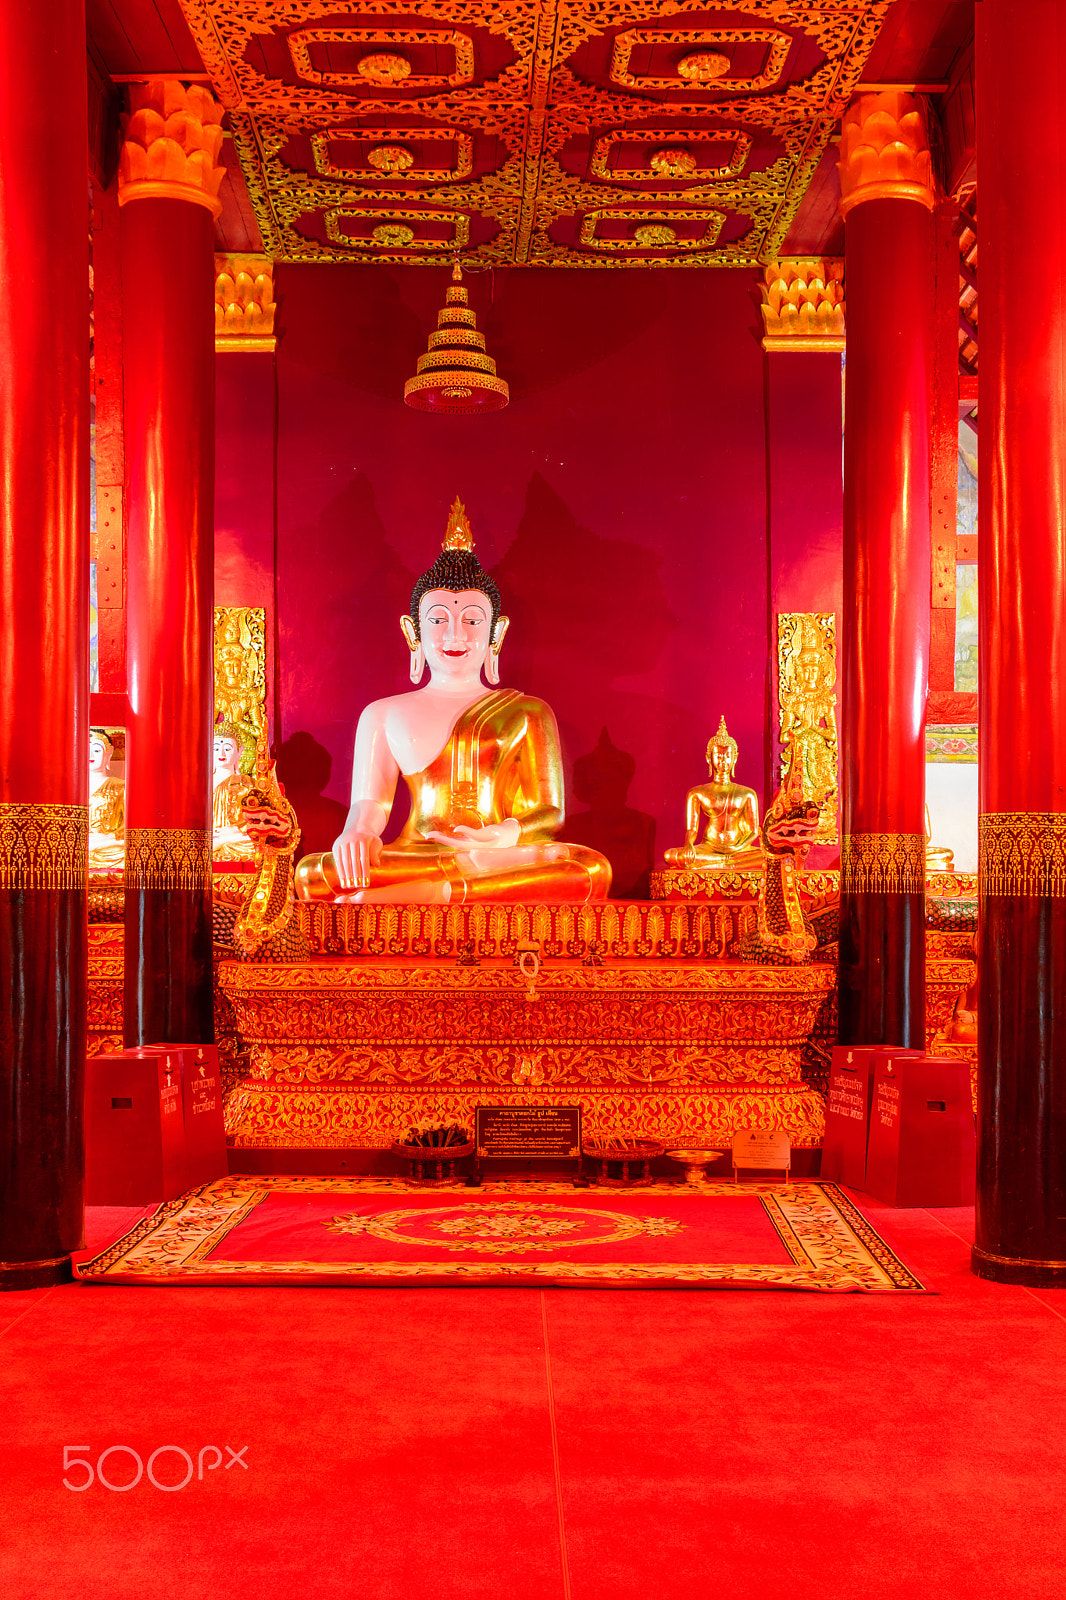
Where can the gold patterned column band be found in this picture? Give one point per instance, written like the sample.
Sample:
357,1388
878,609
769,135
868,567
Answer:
882,863
168,858
43,846
1023,853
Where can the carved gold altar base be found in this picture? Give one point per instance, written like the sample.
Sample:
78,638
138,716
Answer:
677,883
352,1052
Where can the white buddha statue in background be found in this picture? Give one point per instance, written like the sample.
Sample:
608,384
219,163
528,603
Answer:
107,822
229,786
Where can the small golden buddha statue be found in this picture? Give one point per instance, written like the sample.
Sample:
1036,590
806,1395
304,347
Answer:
727,812
230,785
483,767
107,823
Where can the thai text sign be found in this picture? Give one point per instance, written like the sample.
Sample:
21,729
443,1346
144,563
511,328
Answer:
533,1133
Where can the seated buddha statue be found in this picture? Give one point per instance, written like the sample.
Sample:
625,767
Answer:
726,812
107,826
483,767
229,841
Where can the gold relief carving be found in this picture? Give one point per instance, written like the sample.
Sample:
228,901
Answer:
884,151
882,863
244,303
171,139
392,160
657,223
264,1116
240,674
532,110
168,858
1022,853
806,676
383,68
401,236
803,304
673,163
43,846
702,68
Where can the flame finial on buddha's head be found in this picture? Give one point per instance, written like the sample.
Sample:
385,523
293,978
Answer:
458,535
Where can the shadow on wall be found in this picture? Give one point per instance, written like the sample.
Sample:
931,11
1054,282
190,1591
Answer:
305,767
626,837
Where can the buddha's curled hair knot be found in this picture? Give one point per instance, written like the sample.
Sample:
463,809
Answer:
455,570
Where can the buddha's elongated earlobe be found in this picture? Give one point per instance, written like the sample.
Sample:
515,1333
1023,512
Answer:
414,644
492,660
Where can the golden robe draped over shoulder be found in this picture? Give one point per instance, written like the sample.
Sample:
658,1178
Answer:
502,760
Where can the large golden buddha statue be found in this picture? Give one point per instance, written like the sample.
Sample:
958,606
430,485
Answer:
483,767
727,814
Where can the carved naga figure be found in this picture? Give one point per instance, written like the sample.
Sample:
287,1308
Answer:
483,767
788,829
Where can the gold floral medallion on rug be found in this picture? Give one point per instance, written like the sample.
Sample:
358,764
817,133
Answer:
365,1231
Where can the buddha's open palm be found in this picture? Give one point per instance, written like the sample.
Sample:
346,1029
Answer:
494,836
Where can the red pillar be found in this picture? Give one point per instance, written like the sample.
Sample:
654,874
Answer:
887,199
168,388
1021,1051
44,625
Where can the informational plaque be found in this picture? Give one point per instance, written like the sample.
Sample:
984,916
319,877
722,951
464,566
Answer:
761,1150
529,1133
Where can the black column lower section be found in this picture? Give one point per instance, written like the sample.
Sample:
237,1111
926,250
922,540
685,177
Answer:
168,991
882,969
1021,1090
43,977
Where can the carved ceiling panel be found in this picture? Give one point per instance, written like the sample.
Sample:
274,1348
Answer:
534,132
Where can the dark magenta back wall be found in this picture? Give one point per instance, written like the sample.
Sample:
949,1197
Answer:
620,500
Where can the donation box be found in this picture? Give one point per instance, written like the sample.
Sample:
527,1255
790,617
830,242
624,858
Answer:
134,1129
922,1149
847,1115
153,1123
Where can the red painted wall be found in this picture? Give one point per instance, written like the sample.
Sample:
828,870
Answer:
621,501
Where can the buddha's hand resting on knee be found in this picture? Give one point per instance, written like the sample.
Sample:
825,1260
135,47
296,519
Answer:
354,853
495,836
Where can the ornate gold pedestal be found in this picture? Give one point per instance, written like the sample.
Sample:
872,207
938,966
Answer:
351,1053
669,1038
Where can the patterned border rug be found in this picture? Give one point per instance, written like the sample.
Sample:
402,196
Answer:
313,1230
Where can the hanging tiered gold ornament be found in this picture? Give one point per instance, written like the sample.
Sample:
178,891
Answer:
455,375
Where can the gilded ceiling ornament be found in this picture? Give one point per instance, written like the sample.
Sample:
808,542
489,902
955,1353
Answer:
391,235
385,71
524,116
703,66
390,159
884,151
672,163
654,233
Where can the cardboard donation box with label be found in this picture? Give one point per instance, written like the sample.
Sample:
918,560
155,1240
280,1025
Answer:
922,1149
153,1123
134,1133
847,1115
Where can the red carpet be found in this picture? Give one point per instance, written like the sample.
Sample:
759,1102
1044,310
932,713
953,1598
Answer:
317,1230
539,1445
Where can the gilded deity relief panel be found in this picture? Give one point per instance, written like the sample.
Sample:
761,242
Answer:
806,693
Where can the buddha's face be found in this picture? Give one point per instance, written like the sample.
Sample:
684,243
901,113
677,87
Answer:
99,756
227,755
456,631
721,761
